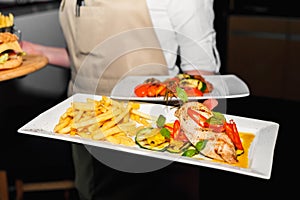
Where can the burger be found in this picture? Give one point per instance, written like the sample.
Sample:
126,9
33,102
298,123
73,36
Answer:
11,53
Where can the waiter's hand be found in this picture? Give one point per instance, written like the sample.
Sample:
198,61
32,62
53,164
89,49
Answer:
56,55
31,48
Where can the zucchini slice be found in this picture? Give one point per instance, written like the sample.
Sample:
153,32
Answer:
189,83
183,76
151,138
177,146
202,86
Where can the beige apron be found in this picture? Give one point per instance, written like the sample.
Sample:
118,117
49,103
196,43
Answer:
109,40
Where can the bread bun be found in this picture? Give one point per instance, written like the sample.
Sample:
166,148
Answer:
10,51
12,63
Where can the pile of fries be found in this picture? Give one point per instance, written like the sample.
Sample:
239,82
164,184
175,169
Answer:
6,21
105,119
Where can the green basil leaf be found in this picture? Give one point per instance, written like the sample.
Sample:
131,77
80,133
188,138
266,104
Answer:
160,122
190,152
181,94
201,144
165,132
217,119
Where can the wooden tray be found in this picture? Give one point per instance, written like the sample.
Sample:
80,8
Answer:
31,63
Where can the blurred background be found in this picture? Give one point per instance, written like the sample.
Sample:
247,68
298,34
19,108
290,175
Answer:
258,40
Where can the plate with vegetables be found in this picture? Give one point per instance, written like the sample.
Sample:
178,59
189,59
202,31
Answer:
190,133
161,88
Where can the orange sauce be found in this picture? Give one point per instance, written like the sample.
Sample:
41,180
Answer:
247,139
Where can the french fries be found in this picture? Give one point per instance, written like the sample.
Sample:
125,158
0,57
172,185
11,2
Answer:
6,21
105,119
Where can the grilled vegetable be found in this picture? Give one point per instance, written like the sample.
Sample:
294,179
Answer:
202,86
194,85
183,76
151,138
178,146
189,83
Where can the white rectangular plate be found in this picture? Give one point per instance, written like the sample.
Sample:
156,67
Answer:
260,153
225,86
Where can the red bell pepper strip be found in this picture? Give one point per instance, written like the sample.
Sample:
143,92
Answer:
232,132
161,91
192,92
177,133
170,128
176,128
197,117
142,89
152,90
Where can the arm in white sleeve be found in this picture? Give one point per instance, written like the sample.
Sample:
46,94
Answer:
193,22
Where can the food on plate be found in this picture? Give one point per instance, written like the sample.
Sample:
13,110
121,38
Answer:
193,85
159,139
11,53
104,119
209,132
196,132
163,137
6,20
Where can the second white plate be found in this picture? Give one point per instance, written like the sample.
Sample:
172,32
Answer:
225,86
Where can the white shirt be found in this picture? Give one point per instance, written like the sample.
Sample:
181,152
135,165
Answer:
188,25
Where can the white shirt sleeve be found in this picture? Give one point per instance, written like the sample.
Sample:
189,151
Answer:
187,25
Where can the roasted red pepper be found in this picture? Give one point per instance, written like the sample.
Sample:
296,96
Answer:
232,132
176,129
192,92
150,90
142,89
197,117
176,132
